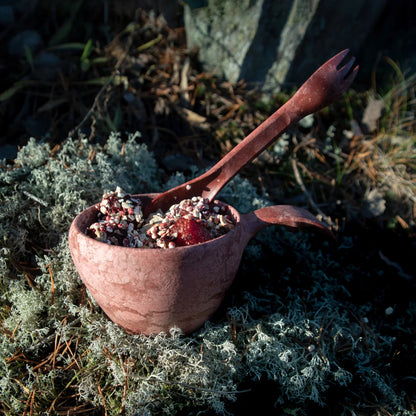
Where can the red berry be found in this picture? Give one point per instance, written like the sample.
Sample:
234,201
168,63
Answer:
190,232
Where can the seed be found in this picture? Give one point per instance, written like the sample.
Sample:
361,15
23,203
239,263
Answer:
120,193
127,205
121,215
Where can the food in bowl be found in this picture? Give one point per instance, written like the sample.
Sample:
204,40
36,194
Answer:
192,221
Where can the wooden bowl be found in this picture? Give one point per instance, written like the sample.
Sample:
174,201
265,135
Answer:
149,290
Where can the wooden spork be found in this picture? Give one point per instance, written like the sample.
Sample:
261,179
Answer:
322,88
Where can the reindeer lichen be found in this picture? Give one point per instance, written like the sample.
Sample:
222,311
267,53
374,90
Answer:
57,348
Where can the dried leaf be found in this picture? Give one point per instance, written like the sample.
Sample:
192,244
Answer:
372,114
375,204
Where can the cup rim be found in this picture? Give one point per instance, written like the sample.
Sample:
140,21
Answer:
75,226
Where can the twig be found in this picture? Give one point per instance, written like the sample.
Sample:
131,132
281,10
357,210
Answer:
94,105
184,83
52,284
233,328
105,86
248,346
395,265
49,338
40,220
29,402
102,398
125,387
35,198
308,195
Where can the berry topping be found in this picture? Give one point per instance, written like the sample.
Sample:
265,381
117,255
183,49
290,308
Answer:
190,232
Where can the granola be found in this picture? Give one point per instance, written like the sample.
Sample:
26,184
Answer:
120,222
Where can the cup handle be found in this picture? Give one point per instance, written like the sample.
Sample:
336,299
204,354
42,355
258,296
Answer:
286,215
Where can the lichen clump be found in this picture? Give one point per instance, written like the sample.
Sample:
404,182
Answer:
120,221
300,327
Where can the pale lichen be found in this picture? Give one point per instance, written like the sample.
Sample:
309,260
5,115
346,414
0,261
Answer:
306,340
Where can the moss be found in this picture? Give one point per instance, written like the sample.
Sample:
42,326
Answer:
290,319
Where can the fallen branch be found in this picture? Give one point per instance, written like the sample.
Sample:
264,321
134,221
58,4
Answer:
308,195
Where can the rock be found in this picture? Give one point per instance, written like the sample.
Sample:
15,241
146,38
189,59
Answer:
275,44
223,33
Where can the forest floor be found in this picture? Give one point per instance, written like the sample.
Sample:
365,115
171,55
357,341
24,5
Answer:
89,73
